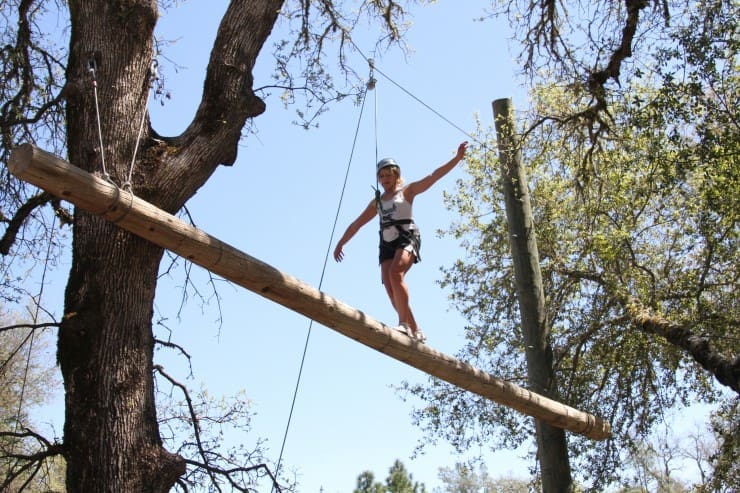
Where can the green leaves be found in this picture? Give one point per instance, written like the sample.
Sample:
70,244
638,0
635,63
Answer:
637,228
398,481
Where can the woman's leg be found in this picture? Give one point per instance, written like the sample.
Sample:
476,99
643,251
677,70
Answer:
393,272
385,267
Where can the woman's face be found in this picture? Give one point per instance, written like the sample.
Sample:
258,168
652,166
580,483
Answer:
388,178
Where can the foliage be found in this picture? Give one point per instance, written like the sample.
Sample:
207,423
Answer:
637,234
366,484
593,48
26,382
661,463
654,466
197,426
464,478
724,474
397,481
31,110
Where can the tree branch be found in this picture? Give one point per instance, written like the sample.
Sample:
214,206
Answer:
598,78
12,353
14,224
210,459
229,474
45,325
25,463
193,417
725,369
228,96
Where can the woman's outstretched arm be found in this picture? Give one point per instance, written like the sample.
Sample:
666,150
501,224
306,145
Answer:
421,186
353,228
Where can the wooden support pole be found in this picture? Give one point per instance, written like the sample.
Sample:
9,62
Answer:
100,197
552,446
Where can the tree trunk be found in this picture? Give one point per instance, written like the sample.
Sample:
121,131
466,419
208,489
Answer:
552,448
105,351
111,435
106,344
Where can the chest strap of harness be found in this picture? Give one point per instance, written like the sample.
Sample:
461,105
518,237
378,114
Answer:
397,223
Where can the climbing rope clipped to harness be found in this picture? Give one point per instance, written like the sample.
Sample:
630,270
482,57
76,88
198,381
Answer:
371,83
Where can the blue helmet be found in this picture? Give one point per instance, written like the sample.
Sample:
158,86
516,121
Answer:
385,163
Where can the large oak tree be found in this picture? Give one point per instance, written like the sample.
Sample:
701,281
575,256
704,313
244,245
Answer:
112,440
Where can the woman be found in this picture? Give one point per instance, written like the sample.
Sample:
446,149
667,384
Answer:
400,240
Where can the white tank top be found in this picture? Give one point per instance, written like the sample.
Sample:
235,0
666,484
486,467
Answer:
395,209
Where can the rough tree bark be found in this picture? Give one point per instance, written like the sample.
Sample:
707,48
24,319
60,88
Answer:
106,343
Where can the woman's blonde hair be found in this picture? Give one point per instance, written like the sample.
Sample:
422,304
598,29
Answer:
396,171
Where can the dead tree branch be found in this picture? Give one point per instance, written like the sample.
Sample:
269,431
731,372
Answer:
22,463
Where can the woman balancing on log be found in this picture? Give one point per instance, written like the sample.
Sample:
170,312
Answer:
400,240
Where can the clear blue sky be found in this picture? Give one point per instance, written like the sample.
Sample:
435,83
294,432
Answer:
278,204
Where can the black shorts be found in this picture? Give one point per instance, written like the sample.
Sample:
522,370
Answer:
407,240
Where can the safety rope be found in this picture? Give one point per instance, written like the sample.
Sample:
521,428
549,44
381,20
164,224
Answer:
370,86
412,95
152,78
92,68
418,100
487,151
372,82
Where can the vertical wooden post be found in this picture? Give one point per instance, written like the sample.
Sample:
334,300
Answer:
551,442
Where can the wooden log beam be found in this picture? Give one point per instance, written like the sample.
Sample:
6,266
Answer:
101,197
